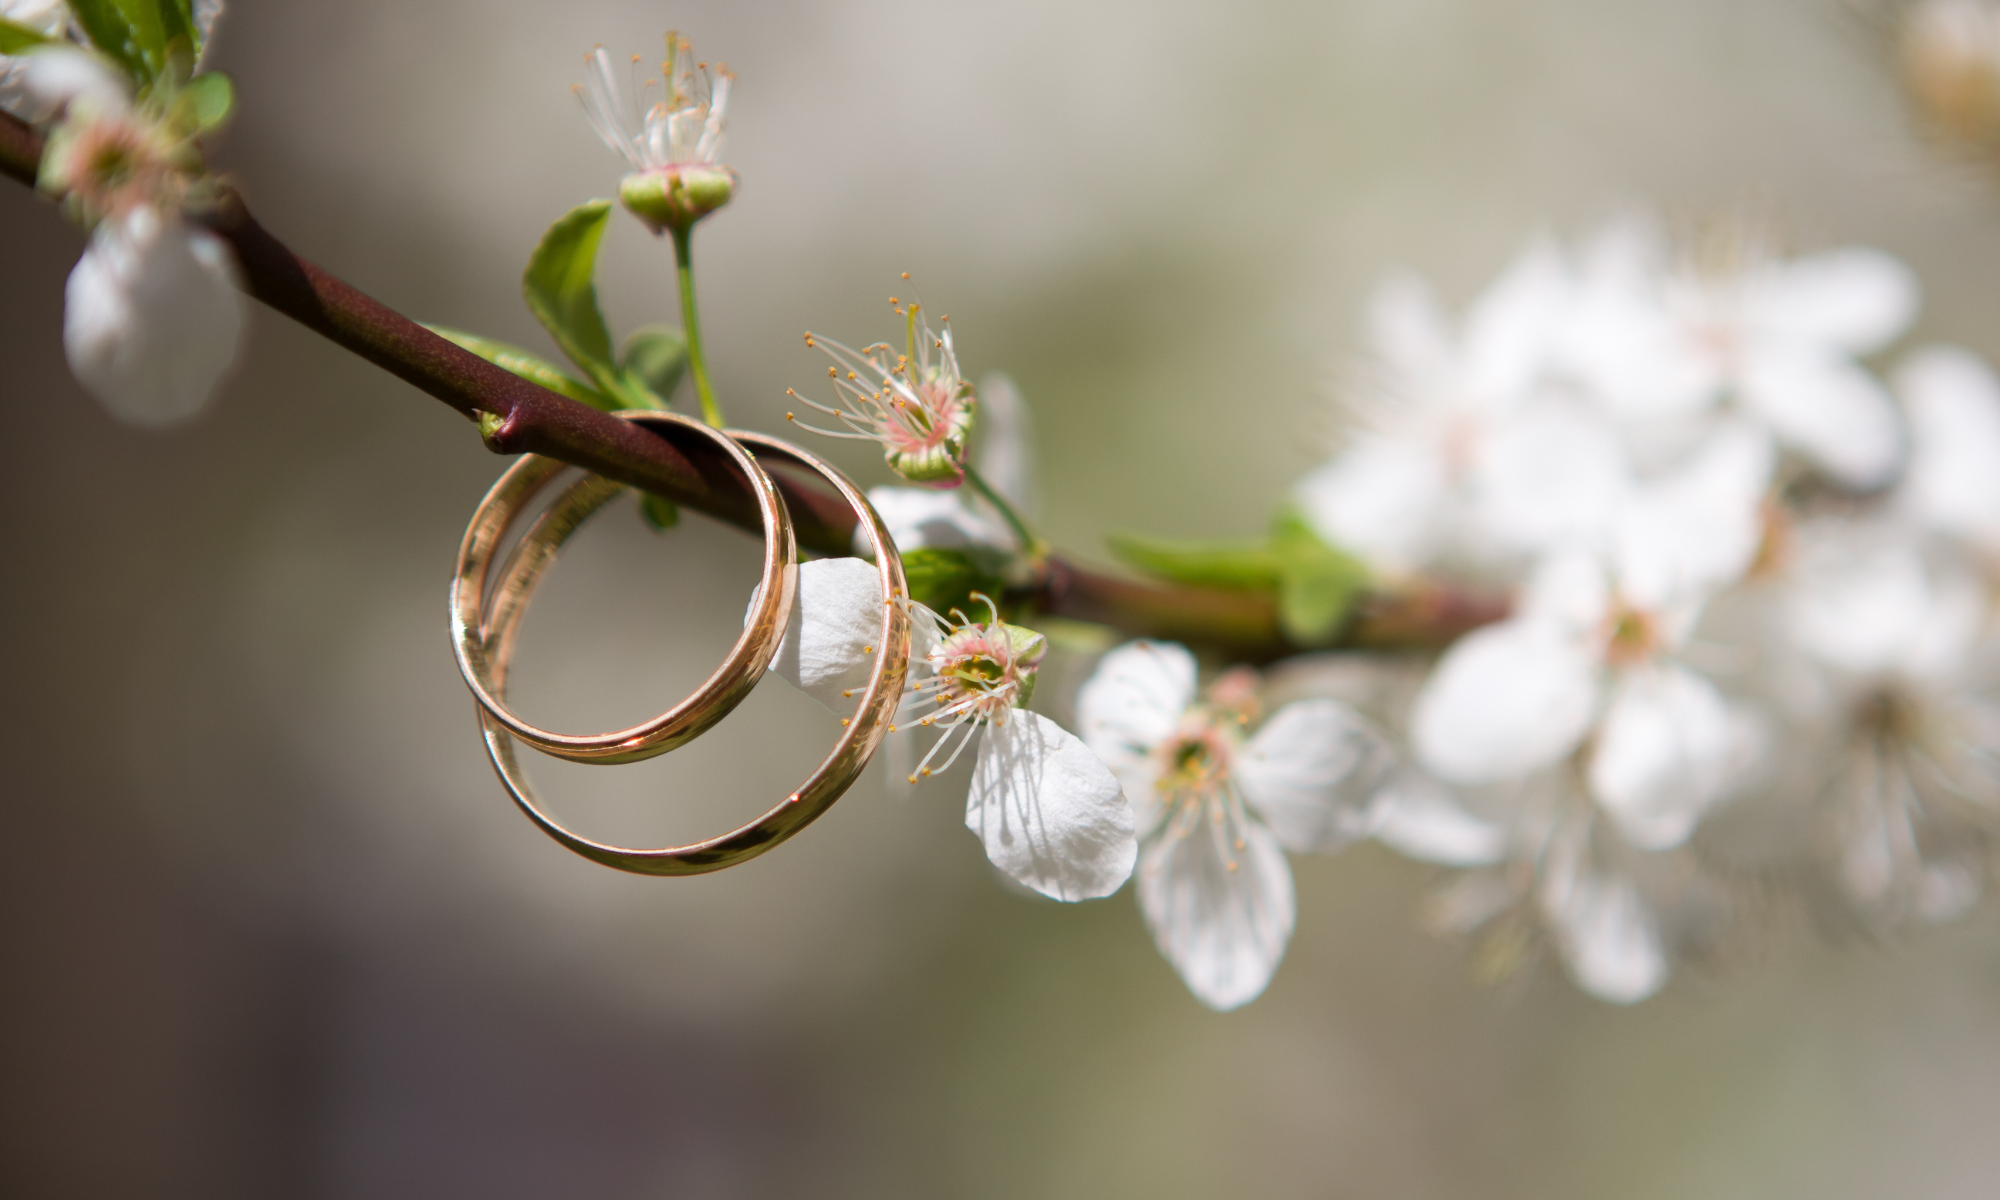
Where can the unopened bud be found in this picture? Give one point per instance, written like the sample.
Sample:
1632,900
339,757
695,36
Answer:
676,197
1950,63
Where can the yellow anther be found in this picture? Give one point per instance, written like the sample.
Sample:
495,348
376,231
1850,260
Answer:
867,649
1232,866
843,720
926,771
893,300
833,373
906,274
892,729
791,416
913,779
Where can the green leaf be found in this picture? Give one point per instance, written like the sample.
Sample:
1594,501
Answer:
1242,565
206,102
1315,584
657,355
660,513
942,580
16,38
1319,584
561,294
109,29
528,366
146,37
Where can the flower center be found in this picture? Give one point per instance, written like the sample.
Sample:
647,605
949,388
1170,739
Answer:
1634,636
1197,758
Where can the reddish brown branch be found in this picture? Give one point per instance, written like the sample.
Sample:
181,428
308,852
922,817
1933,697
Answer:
535,420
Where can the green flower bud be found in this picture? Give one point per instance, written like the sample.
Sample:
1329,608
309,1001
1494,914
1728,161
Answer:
676,197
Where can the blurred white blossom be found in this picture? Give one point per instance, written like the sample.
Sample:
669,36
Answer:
1216,809
1633,436
152,317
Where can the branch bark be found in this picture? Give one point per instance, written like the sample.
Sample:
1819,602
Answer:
534,420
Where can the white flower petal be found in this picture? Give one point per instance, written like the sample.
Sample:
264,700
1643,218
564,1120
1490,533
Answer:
1857,606
1217,895
1607,937
1310,773
1953,482
1406,329
837,611
59,75
1828,407
1049,811
928,518
1504,701
1568,591
1382,499
1667,750
1857,299
1130,704
1006,455
44,17
1550,480
1683,537
1417,817
1511,328
152,317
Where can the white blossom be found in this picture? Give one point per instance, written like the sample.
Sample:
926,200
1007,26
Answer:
1660,339
1437,405
1049,813
1591,651
1216,810
152,317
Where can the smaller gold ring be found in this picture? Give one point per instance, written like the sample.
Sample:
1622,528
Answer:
721,692
857,742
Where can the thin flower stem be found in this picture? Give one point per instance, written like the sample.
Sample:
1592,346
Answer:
691,325
1034,547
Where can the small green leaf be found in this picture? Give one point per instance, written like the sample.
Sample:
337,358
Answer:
1319,584
561,294
206,102
528,366
657,355
149,38
1203,564
15,38
1314,599
110,29
660,513
1315,584
942,580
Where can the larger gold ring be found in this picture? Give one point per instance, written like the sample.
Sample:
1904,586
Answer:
718,694
857,742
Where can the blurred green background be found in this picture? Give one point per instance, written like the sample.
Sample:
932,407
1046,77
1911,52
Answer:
271,928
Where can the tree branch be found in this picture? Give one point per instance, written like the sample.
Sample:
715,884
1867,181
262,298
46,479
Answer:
534,420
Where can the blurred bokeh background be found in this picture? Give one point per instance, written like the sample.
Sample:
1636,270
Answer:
269,926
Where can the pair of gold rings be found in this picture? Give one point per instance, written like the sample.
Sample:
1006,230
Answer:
486,616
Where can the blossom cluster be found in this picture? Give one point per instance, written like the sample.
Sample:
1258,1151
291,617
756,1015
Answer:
1752,625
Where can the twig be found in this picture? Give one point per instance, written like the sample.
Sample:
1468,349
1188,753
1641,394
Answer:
534,420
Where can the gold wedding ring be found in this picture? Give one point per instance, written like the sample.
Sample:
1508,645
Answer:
496,623
717,695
